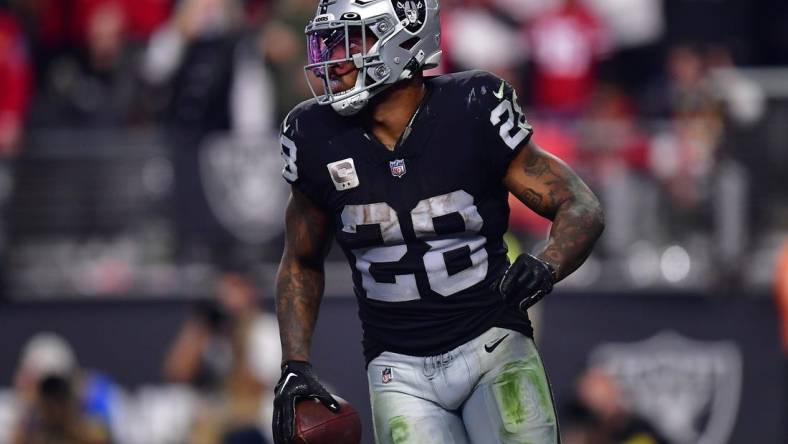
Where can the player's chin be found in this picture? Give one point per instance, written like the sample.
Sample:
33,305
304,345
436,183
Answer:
340,88
343,83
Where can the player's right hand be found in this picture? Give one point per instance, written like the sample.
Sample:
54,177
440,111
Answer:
297,382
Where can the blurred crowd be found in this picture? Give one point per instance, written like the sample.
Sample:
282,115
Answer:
218,376
649,106
648,99
127,63
217,379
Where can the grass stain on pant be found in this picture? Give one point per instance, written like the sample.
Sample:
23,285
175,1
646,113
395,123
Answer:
523,397
400,430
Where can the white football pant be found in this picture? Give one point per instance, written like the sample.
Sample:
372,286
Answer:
492,389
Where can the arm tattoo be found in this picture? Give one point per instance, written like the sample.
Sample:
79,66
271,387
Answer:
576,227
300,280
532,198
549,187
535,166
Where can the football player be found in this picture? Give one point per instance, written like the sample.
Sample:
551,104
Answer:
411,175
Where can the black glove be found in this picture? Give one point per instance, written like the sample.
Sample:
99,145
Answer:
297,382
526,281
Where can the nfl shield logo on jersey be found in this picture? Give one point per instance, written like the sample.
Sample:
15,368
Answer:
397,167
386,375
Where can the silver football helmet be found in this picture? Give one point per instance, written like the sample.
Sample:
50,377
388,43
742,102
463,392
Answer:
405,39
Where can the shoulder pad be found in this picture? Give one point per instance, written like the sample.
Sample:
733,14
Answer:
465,79
478,90
304,133
297,120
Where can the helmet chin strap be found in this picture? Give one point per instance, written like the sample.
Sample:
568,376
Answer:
351,105
355,103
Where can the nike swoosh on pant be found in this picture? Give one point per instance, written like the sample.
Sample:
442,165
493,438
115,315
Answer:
490,347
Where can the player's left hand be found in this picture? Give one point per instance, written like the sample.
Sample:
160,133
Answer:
526,281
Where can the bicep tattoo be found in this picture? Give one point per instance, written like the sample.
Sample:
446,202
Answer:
549,187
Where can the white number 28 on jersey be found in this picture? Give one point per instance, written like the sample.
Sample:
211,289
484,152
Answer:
423,216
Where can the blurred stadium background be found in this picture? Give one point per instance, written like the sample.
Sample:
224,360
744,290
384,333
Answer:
141,212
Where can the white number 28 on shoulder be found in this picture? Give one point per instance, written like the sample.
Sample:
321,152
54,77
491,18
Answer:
510,108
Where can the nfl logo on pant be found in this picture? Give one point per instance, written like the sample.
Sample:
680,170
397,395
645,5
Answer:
386,375
397,167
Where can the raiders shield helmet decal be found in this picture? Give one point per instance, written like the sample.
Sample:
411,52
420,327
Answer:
411,14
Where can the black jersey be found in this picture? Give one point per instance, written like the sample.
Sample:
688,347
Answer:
422,226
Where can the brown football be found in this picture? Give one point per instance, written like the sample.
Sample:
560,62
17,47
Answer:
316,424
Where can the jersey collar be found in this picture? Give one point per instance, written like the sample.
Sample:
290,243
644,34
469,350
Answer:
413,140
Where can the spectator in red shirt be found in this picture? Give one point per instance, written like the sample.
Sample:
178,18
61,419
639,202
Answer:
566,44
143,17
96,84
15,80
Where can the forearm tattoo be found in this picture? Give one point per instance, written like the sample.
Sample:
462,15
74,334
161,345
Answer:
300,280
554,191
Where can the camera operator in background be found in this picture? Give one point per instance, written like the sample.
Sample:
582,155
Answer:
600,414
57,418
58,401
228,350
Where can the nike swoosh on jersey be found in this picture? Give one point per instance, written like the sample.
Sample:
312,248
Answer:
285,124
287,378
499,94
492,346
